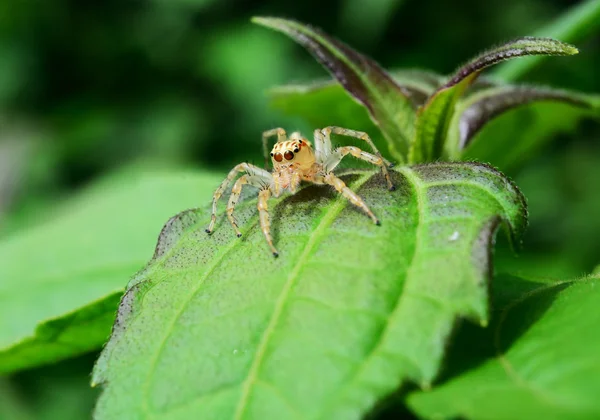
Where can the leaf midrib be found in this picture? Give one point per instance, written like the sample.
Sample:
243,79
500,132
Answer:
325,221
412,178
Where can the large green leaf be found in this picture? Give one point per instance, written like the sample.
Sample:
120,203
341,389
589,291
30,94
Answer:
61,281
545,363
388,103
433,118
215,327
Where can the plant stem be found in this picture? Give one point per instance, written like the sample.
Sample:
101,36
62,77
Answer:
577,23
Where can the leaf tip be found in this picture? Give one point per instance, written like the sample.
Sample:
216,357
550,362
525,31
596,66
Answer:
259,20
568,49
270,22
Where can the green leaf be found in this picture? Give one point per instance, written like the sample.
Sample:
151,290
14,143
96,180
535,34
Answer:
61,280
309,100
215,327
475,111
545,365
388,103
433,118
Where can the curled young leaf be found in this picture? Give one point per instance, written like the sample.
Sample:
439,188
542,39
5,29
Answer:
480,108
215,327
520,47
506,125
388,103
433,119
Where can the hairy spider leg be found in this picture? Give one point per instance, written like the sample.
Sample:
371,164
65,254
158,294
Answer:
233,199
259,178
295,182
266,135
338,154
350,195
263,216
235,196
361,136
322,146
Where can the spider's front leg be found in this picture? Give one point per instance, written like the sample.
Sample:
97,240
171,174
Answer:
263,216
376,159
233,199
257,177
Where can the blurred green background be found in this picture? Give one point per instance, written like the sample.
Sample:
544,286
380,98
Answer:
88,88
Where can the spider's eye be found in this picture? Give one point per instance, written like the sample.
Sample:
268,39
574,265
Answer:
278,157
288,155
272,154
296,150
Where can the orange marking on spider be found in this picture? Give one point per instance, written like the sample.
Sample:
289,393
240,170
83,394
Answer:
294,160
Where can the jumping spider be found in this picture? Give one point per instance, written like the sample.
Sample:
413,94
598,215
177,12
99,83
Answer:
295,160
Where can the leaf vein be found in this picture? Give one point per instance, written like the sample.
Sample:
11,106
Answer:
318,233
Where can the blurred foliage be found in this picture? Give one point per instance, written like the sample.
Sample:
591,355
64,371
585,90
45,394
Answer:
58,392
182,81
87,88
106,234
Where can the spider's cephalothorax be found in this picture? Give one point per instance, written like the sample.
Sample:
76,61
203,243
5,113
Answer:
294,160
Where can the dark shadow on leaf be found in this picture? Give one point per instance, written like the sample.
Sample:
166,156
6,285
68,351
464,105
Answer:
519,316
393,407
472,345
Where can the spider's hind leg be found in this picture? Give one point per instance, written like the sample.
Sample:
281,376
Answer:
354,198
376,159
338,154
